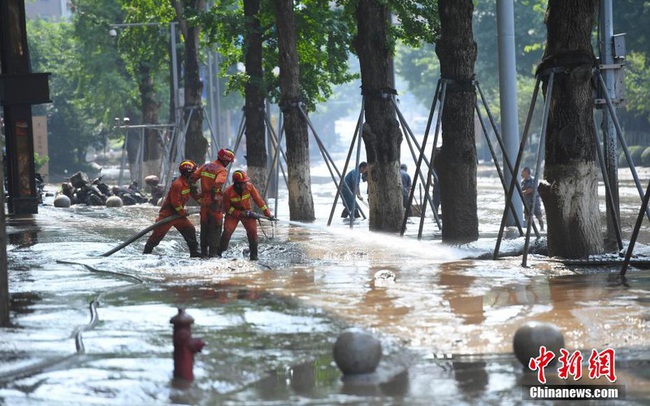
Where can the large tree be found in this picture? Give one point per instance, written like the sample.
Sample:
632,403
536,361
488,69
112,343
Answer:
187,12
255,94
456,168
381,131
569,190
301,202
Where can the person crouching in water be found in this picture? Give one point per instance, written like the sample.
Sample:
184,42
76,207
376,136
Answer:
238,207
179,194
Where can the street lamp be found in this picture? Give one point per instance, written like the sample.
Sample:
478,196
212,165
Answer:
174,60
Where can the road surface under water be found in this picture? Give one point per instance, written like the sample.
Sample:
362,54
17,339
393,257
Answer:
88,329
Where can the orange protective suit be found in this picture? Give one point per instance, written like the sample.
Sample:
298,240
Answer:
179,194
212,177
237,204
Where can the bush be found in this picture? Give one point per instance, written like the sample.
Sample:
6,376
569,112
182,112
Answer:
635,152
645,157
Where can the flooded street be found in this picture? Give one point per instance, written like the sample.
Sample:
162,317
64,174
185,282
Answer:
96,330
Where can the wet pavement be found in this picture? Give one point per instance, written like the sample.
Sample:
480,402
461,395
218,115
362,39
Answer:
88,329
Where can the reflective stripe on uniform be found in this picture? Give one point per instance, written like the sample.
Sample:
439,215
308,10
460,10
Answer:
185,191
209,175
230,210
263,208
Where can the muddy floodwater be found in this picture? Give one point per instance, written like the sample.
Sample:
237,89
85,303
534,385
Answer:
88,329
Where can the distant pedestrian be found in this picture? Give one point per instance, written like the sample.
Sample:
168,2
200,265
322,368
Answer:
528,184
350,184
238,207
406,187
178,195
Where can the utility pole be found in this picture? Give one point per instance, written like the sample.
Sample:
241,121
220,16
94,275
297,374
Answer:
508,93
609,69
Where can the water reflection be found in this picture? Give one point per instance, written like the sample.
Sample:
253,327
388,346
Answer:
23,231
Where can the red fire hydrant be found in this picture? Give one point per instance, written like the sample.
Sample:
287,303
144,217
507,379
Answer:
184,345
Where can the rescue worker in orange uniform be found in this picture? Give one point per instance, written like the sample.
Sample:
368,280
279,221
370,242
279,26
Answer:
179,194
212,177
238,207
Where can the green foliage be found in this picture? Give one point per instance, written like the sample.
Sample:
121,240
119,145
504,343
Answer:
322,43
71,126
637,90
645,157
420,68
418,21
636,152
39,161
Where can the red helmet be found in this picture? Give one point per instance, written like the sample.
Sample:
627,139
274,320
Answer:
240,176
187,167
226,155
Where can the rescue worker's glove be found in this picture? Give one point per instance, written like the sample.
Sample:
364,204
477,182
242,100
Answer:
251,214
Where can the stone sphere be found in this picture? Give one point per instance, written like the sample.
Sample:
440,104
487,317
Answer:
357,351
62,201
152,180
114,201
532,335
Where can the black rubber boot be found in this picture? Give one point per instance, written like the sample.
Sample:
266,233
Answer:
253,250
223,246
214,243
203,238
194,249
148,249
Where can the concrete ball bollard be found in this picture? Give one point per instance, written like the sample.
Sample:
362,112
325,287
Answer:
357,351
62,201
531,336
114,201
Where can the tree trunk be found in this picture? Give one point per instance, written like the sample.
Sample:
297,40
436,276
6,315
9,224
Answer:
150,110
301,203
570,187
456,51
381,133
196,145
256,157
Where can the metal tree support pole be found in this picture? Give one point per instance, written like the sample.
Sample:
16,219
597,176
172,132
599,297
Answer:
621,138
326,156
635,232
509,204
608,194
503,147
214,137
277,142
410,140
179,152
538,163
276,165
607,62
441,88
520,154
443,95
357,131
